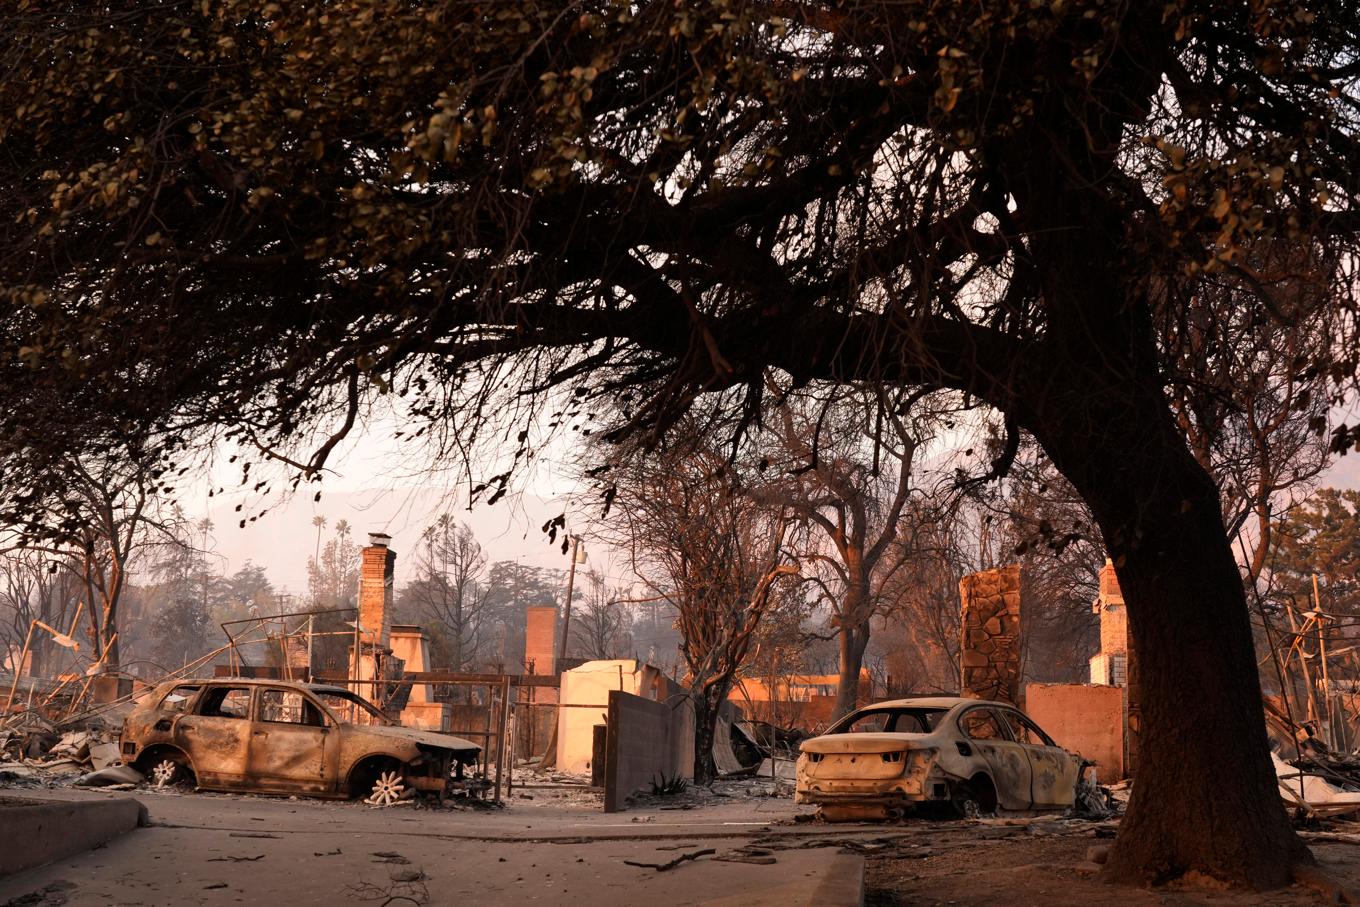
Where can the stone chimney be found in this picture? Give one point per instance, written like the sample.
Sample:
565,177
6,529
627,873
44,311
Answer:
375,590
990,651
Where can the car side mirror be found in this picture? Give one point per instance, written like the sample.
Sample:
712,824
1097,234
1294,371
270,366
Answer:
964,749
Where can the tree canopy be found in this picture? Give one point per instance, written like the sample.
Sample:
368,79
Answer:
260,215
257,213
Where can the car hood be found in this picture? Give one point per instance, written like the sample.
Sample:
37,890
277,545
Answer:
414,735
866,743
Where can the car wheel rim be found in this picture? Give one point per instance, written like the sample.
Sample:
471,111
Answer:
164,772
387,789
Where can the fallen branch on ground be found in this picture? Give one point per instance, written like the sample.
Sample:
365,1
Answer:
662,867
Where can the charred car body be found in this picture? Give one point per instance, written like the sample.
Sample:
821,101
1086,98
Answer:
287,738
971,755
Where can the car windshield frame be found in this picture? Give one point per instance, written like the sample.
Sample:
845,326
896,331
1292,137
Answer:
918,712
350,696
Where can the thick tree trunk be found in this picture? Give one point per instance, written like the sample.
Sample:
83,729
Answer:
1205,797
706,703
852,642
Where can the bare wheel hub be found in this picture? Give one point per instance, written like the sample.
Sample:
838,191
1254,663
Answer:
165,772
387,790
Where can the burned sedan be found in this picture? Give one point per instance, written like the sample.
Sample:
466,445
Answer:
279,737
971,756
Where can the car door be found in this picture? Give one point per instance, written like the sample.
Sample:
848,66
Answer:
1007,760
288,742
1053,769
216,735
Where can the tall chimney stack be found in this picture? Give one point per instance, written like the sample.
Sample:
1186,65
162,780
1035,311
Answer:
375,589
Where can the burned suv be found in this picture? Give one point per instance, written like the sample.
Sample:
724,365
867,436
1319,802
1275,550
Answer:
279,737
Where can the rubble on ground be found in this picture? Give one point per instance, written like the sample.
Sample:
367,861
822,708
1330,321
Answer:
695,796
36,751
1093,800
1318,782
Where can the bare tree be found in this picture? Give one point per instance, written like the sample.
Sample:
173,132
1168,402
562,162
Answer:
844,465
450,589
36,586
715,554
111,513
1252,417
601,620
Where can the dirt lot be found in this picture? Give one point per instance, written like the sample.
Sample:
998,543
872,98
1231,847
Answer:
1018,867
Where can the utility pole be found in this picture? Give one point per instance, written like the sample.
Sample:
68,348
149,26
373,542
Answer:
577,555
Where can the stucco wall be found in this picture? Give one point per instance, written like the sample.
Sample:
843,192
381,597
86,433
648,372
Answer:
1085,718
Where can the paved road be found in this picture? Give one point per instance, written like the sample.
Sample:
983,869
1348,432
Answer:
221,849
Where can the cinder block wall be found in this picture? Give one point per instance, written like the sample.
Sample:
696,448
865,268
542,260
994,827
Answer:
645,741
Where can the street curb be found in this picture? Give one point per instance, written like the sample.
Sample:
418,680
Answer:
842,885
36,832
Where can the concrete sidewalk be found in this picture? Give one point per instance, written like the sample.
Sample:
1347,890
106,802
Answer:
226,850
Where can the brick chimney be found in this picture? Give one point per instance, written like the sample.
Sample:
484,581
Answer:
375,590
1114,618
540,639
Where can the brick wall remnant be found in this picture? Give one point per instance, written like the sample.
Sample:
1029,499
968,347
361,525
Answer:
990,651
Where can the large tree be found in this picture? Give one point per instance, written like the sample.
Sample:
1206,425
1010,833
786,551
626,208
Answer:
259,215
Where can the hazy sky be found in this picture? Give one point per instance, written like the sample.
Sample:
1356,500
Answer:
378,484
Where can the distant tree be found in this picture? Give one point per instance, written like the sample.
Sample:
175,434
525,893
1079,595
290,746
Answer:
249,590
333,580
333,583
186,592
36,585
449,590
601,622
184,627
1320,537
511,588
